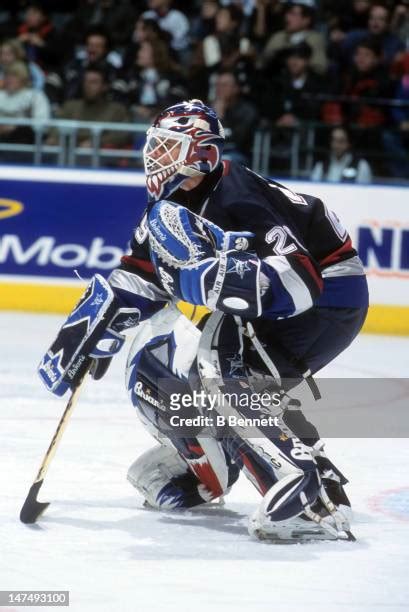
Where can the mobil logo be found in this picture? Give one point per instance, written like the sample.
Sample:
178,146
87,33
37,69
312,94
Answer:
384,247
47,251
10,208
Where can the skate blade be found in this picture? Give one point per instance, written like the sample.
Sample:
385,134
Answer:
303,536
212,507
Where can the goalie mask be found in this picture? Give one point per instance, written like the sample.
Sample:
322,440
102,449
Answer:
185,140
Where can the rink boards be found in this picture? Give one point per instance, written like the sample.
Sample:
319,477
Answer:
53,222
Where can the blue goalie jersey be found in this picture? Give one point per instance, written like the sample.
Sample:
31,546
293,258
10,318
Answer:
306,255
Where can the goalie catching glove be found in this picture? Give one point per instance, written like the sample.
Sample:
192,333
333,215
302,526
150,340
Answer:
88,339
199,263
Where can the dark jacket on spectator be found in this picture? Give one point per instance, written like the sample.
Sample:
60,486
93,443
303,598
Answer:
283,96
389,43
73,75
118,19
372,84
239,122
52,53
150,87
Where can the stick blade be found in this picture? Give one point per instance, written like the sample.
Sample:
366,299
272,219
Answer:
350,537
32,508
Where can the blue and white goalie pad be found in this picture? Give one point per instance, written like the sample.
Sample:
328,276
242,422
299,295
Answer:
199,263
83,336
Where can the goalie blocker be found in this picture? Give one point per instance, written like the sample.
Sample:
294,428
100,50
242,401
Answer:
91,332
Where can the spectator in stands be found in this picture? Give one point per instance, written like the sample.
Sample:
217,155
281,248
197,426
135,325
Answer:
224,49
367,79
238,116
115,16
342,19
357,17
96,51
396,141
342,164
299,19
204,23
12,10
154,81
400,22
40,39
284,101
225,34
144,30
342,16
94,105
171,20
19,101
267,19
246,6
11,51
400,114
378,29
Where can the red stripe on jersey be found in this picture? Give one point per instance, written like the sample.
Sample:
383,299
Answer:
142,264
336,255
226,167
309,266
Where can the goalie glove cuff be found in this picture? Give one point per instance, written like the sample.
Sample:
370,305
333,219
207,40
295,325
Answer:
236,287
229,282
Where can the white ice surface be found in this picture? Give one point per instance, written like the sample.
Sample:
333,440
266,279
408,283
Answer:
96,541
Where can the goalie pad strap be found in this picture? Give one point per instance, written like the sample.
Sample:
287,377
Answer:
214,293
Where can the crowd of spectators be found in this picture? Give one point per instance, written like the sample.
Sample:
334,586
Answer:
270,63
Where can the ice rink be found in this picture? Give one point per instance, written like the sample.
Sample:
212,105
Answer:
97,541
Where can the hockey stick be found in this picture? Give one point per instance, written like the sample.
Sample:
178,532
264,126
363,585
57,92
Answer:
32,508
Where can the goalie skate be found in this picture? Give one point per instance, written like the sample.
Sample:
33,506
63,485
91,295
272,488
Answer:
320,521
298,529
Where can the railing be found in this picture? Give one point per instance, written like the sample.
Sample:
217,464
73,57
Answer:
278,151
67,152
300,146
292,151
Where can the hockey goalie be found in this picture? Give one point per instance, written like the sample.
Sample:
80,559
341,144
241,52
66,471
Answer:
273,291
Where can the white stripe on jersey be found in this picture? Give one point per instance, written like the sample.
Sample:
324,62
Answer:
128,281
348,267
292,282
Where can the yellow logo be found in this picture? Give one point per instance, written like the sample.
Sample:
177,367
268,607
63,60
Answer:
10,208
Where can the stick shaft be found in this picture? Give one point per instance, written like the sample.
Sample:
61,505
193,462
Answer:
32,508
58,433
